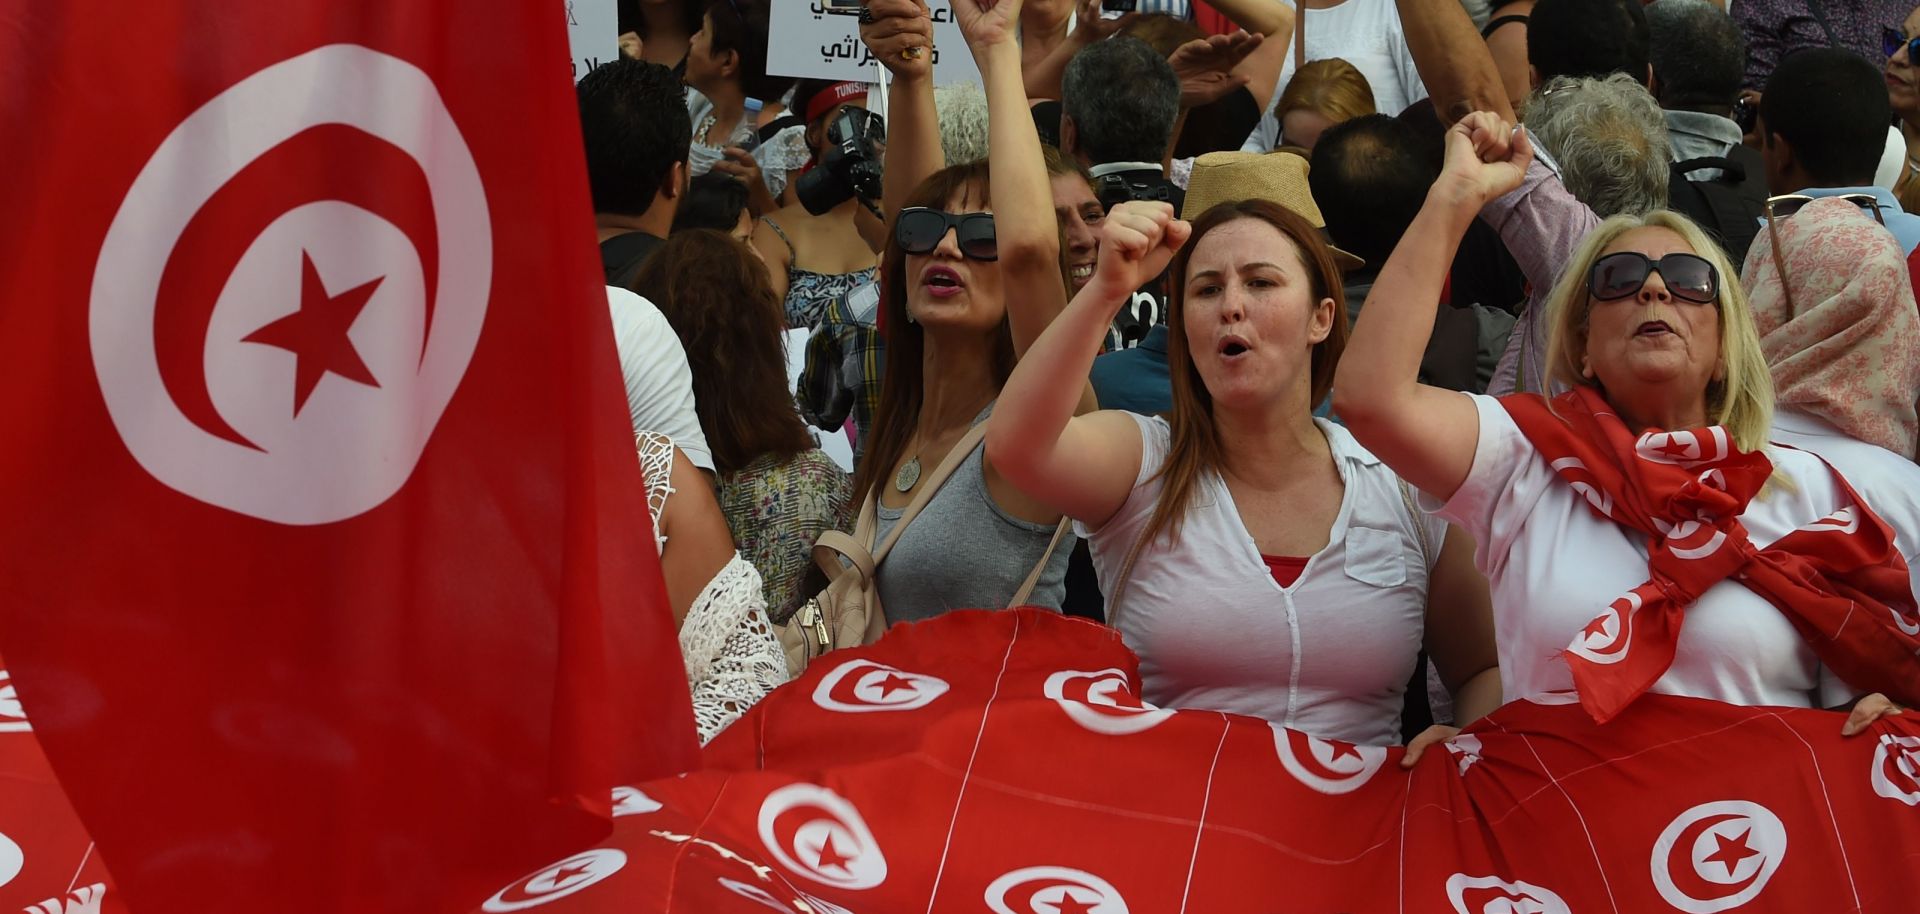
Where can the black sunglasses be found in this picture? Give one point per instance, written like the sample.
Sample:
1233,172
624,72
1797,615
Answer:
1688,277
919,230
1892,40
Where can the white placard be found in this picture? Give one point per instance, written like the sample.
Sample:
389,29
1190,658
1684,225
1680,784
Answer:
593,34
816,44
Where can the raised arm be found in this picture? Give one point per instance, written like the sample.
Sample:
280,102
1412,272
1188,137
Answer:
1453,61
1083,466
1264,17
1043,80
901,28
1426,434
1022,200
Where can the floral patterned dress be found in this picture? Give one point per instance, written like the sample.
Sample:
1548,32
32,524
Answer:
776,510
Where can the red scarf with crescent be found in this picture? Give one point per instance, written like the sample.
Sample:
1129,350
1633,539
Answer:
1839,579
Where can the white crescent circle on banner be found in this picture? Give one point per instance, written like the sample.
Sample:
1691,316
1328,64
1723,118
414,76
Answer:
558,881
1718,856
1331,767
1493,895
864,686
1059,888
361,416
630,801
754,893
1896,769
1103,702
816,833
13,717
1900,622
12,859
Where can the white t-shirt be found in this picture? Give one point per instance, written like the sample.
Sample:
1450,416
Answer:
1330,655
1554,565
1365,33
659,383
1886,481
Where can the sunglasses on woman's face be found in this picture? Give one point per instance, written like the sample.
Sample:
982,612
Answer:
1688,277
919,230
1892,40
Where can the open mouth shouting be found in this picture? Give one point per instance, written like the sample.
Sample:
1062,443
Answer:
1653,329
941,282
1232,347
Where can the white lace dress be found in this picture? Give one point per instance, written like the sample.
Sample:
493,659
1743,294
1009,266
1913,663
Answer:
732,656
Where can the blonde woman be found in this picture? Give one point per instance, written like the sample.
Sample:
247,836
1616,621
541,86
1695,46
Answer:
1257,559
1637,531
1322,94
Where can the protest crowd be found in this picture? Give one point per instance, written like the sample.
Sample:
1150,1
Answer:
1463,381
1321,382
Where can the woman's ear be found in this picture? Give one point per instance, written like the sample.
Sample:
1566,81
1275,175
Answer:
1320,323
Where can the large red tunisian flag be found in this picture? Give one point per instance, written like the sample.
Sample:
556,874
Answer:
325,575
1004,763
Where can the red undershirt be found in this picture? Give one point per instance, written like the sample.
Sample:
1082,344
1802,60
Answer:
1286,568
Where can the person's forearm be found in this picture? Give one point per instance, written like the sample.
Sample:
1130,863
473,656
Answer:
1047,388
1267,17
1381,365
1026,233
1454,63
1477,697
913,141
872,229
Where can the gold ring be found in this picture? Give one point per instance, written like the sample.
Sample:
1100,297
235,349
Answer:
910,54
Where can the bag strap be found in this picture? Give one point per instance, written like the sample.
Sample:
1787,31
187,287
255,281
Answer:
859,549
1126,575
1033,577
1820,16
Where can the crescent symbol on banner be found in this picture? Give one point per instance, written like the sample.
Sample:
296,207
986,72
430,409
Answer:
1686,877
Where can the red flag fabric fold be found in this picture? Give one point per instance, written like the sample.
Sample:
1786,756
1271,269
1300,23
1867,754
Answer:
1838,579
327,575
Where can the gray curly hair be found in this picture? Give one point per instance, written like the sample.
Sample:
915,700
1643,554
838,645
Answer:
962,111
1610,139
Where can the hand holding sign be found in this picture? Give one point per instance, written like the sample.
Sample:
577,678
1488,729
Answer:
900,34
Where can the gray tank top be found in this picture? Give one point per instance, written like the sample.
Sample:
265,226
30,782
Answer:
963,552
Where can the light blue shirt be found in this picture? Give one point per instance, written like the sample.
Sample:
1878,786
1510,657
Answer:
1905,226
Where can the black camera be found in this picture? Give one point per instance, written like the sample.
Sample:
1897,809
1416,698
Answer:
851,166
1116,189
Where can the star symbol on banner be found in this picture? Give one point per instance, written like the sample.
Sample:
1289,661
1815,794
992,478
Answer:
1597,627
1731,852
895,683
831,857
567,874
1674,448
1342,749
317,334
1071,905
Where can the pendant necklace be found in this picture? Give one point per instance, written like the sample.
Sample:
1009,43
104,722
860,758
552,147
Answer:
908,475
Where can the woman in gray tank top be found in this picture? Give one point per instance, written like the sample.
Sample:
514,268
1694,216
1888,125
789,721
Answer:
970,277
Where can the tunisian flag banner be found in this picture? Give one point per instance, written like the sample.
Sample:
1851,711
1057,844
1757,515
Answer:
325,574
1001,762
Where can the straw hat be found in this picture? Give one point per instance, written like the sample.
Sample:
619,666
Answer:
1228,177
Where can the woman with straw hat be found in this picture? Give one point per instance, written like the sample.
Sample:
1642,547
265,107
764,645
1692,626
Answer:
1258,560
